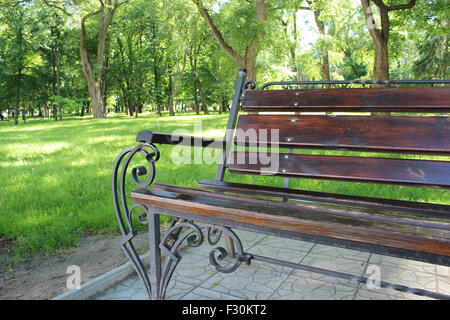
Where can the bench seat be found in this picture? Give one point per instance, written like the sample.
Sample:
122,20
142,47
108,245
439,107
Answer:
393,227
408,147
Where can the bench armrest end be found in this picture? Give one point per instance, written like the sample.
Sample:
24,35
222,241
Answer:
145,136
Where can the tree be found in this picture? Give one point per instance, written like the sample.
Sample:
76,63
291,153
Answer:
17,53
248,59
380,35
432,26
315,6
94,73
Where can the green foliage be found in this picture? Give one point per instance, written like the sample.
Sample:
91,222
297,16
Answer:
148,40
68,105
60,190
56,176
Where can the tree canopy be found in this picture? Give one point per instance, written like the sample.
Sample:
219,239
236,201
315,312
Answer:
139,56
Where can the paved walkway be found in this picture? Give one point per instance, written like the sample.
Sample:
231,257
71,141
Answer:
195,278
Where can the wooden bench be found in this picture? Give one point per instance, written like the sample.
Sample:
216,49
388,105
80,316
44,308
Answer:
412,230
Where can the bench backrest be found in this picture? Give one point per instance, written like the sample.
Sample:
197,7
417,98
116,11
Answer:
289,112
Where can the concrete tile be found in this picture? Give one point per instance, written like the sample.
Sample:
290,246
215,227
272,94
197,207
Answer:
206,294
277,243
249,238
124,293
177,289
299,288
193,269
340,252
395,262
409,278
351,266
282,253
140,295
386,294
195,278
443,284
443,271
247,282
134,282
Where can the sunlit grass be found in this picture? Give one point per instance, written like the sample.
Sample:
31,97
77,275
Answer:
56,176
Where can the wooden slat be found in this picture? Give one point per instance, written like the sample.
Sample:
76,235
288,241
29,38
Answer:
359,213
418,99
418,209
418,135
360,169
304,219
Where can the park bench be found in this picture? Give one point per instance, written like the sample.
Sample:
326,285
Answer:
293,120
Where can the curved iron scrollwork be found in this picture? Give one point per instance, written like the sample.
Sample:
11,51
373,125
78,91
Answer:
213,235
181,230
121,206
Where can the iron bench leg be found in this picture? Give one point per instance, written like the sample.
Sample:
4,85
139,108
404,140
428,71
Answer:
155,254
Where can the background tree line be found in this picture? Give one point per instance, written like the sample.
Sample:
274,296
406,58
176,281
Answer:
154,55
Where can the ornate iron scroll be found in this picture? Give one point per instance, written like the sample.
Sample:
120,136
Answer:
193,234
175,235
123,214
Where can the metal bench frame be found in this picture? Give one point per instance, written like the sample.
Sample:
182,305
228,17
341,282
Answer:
194,229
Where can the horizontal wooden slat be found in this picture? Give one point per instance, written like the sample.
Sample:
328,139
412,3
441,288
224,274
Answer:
361,213
300,218
417,99
360,169
418,135
418,209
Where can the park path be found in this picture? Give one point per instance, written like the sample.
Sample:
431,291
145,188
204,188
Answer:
196,279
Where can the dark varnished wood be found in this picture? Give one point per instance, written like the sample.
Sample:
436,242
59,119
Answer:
417,99
418,209
418,135
398,215
376,170
421,230
301,218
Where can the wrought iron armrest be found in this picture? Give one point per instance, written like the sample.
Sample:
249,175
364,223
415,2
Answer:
151,153
172,139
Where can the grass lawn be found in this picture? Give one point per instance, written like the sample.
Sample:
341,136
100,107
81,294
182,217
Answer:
56,176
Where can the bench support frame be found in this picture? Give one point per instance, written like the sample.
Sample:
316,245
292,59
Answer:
193,229
164,252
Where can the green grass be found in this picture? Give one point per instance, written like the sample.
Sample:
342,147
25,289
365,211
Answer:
56,176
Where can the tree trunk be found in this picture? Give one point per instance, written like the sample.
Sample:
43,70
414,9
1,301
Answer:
176,86
58,82
24,115
198,85
293,48
381,65
251,51
94,78
105,79
325,60
16,113
380,36
197,107
170,102
202,97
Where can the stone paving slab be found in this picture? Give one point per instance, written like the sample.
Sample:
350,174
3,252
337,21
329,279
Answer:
195,279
